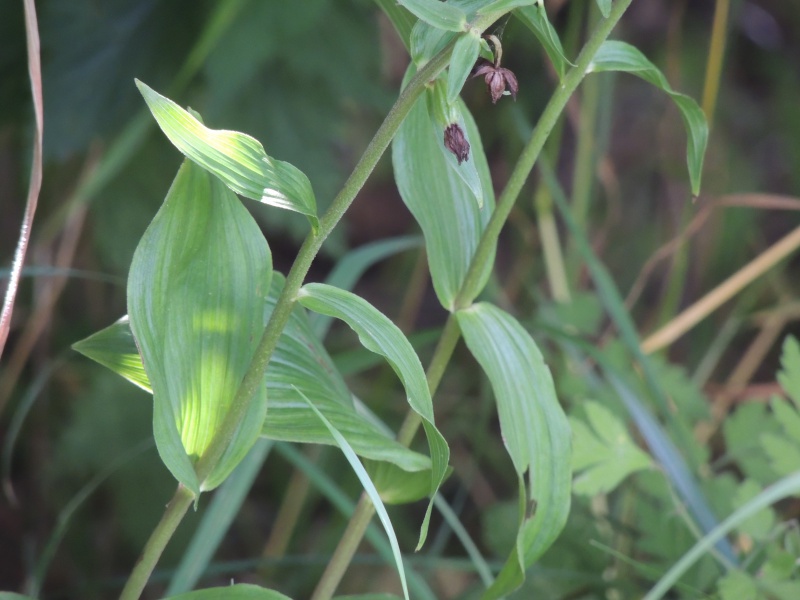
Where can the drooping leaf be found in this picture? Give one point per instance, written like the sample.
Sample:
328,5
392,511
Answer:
366,482
603,453
236,158
535,18
380,335
534,428
438,14
465,53
195,298
614,55
440,201
240,591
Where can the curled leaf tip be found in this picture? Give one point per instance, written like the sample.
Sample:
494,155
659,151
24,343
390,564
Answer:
456,142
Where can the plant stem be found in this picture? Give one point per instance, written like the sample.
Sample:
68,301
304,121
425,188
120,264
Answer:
471,286
161,535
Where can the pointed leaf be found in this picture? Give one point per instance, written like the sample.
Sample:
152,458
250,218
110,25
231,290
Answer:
380,335
436,13
240,591
535,18
534,428
195,298
440,201
115,348
465,53
236,158
502,6
363,477
619,56
605,7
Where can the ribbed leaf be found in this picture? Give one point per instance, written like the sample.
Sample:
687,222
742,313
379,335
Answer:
536,19
465,53
299,362
437,13
378,334
195,300
240,591
619,56
236,158
534,428
502,6
439,199
369,488
115,348
427,40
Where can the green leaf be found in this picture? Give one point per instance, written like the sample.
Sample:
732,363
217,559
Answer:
397,486
465,53
436,13
440,201
503,6
380,335
115,348
534,428
299,361
535,18
195,299
602,451
737,585
789,376
619,56
363,477
240,591
761,524
605,7
236,158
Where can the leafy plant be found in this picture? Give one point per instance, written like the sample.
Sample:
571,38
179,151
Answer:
595,440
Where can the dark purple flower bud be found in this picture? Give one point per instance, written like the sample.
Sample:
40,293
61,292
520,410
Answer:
455,141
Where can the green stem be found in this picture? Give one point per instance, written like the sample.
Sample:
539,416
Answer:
161,535
472,282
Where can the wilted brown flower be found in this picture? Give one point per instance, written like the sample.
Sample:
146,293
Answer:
455,141
498,79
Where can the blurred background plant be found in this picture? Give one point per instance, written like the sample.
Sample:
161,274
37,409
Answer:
313,85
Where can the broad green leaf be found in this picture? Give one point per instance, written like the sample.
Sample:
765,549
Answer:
618,56
603,453
380,335
299,361
465,53
535,18
737,585
236,158
240,591
369,488
534,429
440,201
427,40
605,7
439,14
761,524
13,596
397,486
444,114
195,300
114,348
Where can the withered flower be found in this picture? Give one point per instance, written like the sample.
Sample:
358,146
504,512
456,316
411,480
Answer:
497,78
455,141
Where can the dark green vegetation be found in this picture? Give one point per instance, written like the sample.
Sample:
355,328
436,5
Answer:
577,390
